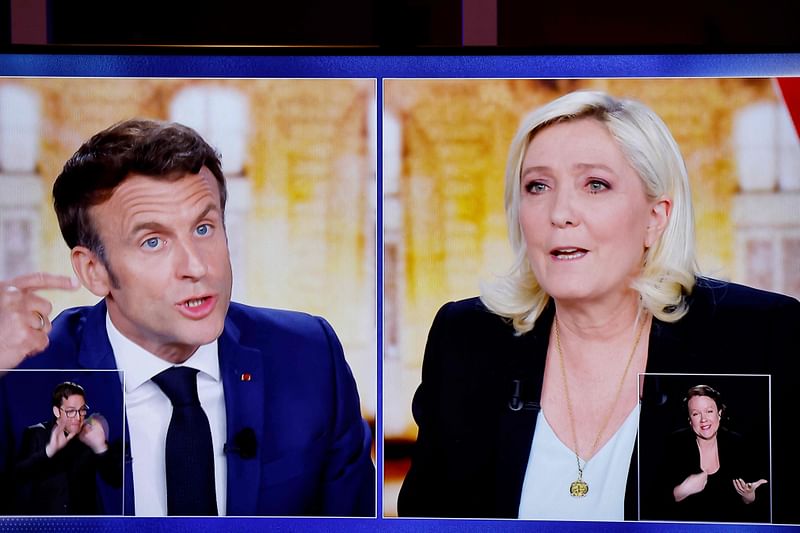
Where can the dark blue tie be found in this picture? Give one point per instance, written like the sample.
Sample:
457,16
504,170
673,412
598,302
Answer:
189,452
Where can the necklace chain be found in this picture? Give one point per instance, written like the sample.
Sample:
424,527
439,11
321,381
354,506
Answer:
580,487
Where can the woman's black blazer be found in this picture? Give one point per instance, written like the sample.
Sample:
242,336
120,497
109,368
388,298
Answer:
477,404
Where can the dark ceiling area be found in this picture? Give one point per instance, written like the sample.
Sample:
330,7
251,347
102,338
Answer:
723,25
685,25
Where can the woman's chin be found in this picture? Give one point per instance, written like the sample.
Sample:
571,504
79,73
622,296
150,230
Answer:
706,435
574,295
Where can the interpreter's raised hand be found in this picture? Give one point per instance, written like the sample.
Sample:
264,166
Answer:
93,434
693,484
24,322
747,490
58,438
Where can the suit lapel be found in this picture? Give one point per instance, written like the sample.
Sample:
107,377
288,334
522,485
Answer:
244,381
95,353
665,353
95,350
526,356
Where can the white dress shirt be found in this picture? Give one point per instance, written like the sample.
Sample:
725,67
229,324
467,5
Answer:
552,468
149,411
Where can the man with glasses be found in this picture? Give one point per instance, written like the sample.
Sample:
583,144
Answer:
55,473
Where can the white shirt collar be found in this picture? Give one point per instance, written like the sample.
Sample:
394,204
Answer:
139,365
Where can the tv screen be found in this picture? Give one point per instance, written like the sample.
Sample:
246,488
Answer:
368,189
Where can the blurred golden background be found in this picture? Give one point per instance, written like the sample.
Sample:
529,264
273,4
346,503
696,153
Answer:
445,147
299,156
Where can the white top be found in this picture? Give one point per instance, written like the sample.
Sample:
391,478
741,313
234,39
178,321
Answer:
552,468
149,411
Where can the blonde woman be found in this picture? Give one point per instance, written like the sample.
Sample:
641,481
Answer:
529,400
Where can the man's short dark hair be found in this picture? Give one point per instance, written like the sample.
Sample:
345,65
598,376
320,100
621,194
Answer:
65,390
159,150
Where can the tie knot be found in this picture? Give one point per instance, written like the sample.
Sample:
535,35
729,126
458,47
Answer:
179,383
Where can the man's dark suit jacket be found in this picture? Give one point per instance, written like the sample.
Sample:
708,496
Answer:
64,484
296,443
477,404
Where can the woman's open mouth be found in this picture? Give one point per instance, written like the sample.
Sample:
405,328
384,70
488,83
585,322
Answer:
567,254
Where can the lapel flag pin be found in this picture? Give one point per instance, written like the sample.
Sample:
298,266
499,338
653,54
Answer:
246,376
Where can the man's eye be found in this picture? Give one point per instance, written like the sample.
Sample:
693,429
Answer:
203,229
152,243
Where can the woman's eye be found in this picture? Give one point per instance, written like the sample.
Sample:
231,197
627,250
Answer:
535,187
597,186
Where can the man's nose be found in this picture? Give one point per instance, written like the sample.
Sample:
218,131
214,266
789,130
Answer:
190,261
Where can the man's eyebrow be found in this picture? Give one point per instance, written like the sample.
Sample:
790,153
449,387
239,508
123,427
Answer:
208,209
152,225
148,226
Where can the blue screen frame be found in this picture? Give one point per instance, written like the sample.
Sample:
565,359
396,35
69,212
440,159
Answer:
219,64
400,66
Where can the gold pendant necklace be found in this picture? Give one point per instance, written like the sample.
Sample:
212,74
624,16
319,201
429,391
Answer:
579,488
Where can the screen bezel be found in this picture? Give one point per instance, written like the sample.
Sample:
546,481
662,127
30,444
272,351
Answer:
261,62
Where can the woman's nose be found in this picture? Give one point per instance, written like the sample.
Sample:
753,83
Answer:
563,213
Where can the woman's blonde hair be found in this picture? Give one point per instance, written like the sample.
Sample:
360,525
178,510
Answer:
669,266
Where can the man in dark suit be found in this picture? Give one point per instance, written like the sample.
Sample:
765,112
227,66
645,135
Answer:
274,407
55,470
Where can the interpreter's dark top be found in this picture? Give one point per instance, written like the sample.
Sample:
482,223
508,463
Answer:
718,501
64,484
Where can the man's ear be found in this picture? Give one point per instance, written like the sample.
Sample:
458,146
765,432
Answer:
659,216
91,271
56,412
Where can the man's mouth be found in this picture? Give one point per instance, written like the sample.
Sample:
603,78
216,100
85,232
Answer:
568,254
197,307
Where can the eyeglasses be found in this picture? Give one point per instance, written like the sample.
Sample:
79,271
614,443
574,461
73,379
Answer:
72,413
